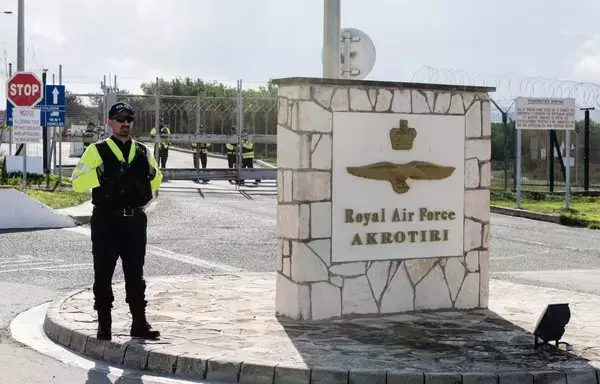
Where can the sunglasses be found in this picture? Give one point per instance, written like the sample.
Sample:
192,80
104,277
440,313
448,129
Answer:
122,119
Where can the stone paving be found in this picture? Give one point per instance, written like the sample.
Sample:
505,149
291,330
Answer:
223,327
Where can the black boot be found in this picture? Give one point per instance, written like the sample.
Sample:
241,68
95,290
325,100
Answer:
104,324
140,327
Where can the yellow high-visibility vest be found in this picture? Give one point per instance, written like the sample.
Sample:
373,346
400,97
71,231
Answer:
85,177
165,136
247,150
230,148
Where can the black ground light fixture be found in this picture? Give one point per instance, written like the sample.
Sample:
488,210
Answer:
551,325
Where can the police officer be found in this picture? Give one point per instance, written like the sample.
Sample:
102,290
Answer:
231,149
123,175
247,154
201,152
163,146
89,134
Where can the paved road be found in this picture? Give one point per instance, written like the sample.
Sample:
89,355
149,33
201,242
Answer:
197,228
193,228
545,254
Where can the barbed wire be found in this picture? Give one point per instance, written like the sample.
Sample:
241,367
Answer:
586,94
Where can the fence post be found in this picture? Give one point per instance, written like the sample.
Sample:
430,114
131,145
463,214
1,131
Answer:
240,130
550,162
62,131
586,150
157,118
505,126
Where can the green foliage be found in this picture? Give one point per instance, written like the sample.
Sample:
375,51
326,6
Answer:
498,131
189,87
180,99
80,112
16,178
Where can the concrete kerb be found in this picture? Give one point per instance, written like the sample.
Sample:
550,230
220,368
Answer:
525,214
135,355
81,213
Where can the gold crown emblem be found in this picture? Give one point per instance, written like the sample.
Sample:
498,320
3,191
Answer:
402,138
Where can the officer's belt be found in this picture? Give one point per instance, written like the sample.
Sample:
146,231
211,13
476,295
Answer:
127,212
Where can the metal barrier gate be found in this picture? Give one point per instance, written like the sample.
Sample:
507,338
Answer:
214,120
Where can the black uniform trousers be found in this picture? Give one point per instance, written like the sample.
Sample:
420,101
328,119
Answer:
231,160
115,235
248,163
203,160
163,155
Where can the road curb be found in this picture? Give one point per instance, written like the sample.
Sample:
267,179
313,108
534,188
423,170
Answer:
133,354
525,214
81,219
81,214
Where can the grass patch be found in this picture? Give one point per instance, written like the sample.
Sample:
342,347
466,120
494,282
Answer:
59,198
59,195
584,211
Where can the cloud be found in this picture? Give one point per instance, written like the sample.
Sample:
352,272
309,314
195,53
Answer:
588,61
138,40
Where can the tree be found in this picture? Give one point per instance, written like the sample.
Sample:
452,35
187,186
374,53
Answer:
79,113
498,141
180,100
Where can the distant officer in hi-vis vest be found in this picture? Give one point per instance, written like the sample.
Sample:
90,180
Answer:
247,154
165,142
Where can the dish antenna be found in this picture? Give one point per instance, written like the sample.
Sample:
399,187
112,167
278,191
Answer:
357,54
359,48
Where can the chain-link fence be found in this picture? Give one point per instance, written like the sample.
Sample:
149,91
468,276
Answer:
543,155
207,115
218,120
543,152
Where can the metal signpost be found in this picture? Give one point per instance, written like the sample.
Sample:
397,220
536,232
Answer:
546,114
331,38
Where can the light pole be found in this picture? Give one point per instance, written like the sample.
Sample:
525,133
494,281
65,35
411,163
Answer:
331,38
21,36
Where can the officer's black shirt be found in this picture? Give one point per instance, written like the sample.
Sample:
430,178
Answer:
123,146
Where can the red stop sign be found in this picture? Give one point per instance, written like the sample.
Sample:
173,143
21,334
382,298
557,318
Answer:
24,89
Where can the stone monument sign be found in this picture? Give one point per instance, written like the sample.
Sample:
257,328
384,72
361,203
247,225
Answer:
383,197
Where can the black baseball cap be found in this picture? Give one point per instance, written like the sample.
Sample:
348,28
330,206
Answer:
118,108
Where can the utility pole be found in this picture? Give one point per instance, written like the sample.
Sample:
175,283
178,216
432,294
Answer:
331,38
586,150
21,68
21,36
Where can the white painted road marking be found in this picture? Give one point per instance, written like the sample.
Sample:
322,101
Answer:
161,252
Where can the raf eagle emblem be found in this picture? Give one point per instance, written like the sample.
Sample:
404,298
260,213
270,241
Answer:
397,174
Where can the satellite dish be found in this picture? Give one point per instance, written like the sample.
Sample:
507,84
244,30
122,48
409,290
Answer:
360,48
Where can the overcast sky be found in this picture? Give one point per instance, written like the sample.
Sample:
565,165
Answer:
255,40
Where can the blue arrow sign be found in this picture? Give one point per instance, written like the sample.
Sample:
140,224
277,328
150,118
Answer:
54,95
52,107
